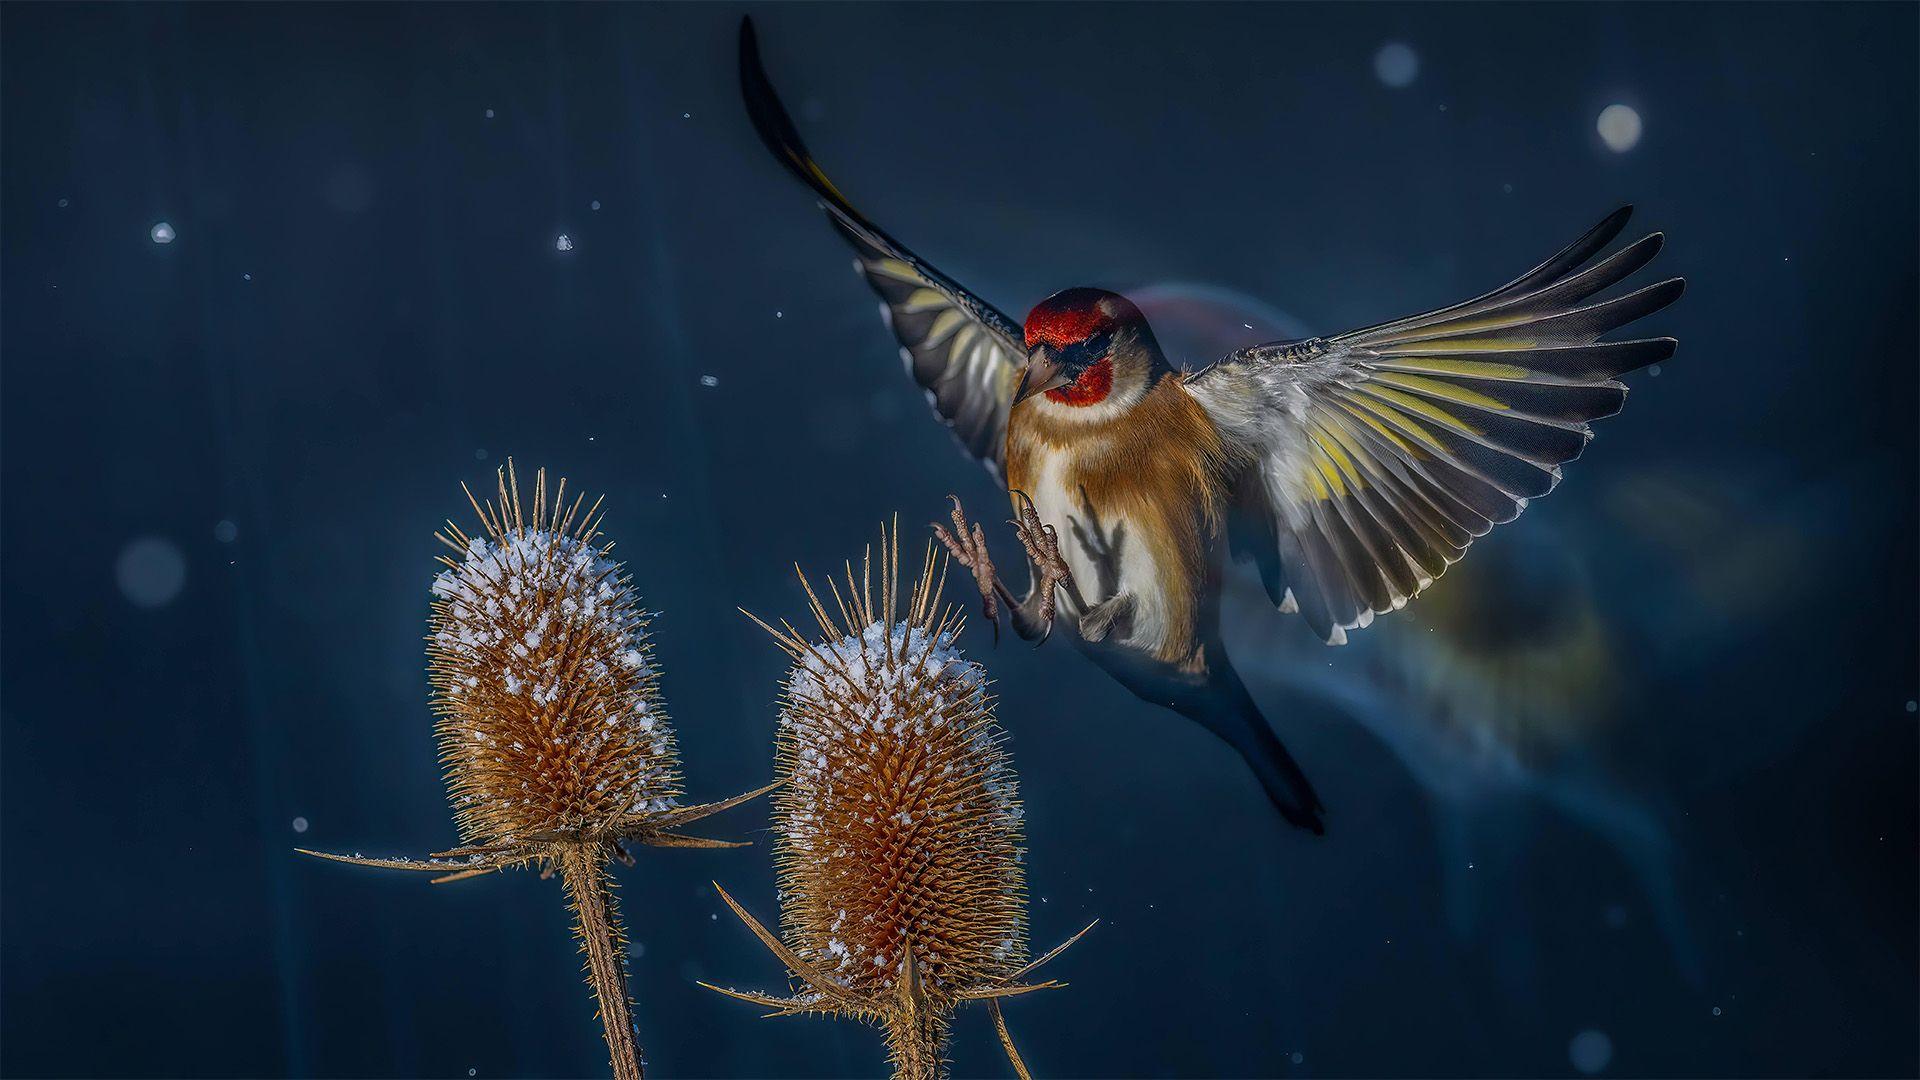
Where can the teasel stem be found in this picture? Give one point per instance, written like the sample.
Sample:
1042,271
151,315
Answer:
915,1044
916,1033
1006,1040
583,870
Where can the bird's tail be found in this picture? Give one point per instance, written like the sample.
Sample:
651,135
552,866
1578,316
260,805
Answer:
1228,710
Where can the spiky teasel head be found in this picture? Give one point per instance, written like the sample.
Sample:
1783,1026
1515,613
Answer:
551,726
551,729
550,718
898,828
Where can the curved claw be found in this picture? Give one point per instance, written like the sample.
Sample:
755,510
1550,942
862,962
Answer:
967,545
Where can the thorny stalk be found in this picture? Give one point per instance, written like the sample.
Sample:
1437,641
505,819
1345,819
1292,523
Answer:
596,922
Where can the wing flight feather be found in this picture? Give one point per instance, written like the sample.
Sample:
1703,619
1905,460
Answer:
962,351
1377,456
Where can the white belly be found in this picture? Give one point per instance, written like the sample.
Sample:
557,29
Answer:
1106,551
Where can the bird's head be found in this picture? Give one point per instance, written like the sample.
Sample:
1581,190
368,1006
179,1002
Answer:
1089,347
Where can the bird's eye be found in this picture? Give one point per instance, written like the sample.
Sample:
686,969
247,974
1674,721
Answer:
1098,345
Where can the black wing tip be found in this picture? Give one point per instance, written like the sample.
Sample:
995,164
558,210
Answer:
774,125
1610,226
770,118
1666,292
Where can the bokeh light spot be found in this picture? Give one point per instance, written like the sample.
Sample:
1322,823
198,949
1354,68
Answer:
151,571
226,531
1619,127
1590,1051
1396,64
161,232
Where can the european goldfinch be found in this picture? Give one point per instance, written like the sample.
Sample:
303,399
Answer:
1352,470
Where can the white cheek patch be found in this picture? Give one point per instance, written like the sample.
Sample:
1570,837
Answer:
1111,408
1128,388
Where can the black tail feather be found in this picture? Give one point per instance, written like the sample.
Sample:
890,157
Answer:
1228,710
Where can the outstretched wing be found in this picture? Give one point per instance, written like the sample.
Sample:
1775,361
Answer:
1377,456
965,354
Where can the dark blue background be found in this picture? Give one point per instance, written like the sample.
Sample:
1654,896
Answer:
1699,842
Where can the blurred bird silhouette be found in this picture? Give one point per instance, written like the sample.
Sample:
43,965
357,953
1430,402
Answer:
1352,470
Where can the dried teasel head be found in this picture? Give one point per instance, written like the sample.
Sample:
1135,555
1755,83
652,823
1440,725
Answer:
551,729
549,712
898,828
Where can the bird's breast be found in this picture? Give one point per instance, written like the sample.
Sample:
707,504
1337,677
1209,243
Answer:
1136,506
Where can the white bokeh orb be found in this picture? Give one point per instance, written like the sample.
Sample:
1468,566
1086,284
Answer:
1396,64
1590,1051
1619,127
151,571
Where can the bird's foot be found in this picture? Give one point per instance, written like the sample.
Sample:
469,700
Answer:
1113,612
967,544
1043,551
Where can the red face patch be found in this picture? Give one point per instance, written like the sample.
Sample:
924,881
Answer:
1091,388
1061,321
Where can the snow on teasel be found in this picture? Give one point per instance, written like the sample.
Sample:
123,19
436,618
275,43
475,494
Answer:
897,825
549,708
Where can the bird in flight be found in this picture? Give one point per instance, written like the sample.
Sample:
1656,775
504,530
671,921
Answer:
1352,470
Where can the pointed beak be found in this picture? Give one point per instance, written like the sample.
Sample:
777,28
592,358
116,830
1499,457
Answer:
1043,374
